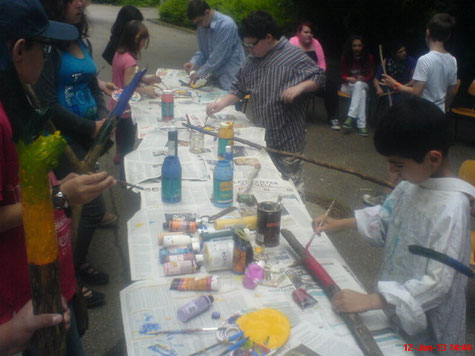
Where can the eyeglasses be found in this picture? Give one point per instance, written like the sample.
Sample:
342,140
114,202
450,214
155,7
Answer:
47,46
251,45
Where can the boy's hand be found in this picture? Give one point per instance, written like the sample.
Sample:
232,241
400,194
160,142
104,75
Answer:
81,189
329,224
387,80
289,94
189,67
350,301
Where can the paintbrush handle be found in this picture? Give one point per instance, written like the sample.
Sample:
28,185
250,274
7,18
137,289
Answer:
123,182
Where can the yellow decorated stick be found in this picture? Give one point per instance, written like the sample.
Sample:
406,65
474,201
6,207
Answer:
36,160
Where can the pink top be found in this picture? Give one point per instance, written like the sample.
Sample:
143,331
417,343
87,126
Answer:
318,50
120,63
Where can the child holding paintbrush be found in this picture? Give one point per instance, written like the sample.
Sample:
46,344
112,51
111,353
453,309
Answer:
424,299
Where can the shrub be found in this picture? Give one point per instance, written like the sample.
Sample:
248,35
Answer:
174,11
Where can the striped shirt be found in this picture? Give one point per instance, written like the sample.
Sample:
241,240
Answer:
265,79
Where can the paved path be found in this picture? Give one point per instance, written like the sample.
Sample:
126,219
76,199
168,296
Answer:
170,47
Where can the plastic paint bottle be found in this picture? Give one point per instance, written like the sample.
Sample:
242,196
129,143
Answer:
242,254
180,258
168,106
179,240
176,268
223,184
195,307
183,226
171,180
254,274
248,221
164,252
225,137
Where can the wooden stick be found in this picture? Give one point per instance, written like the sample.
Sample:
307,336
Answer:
302,157
384,71
360,332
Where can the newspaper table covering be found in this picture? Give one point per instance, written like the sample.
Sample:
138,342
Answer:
148,305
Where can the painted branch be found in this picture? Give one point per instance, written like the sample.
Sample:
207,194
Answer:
36,160
384,71
302,157
359,330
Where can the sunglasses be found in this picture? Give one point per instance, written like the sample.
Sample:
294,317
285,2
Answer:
251,45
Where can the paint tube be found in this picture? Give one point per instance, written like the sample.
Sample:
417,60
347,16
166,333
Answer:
208,283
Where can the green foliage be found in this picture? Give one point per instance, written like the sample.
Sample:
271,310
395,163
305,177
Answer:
145,3
174,11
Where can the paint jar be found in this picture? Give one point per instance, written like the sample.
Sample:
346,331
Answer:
197,142
242,254
254,274
268,223
218,255
171,180
168,106
223,184
195,307
164,252
176,268
225,137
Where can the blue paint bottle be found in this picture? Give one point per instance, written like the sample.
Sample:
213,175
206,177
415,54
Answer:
171,180
223,184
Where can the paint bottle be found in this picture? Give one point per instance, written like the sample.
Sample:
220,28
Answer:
209,236
195,307
183,267
164,252
225,137
248,221
218,255
197,142
179,240
242,254
208,283
171,180
223,184
168,106
180,225
172,143
254,274
180,258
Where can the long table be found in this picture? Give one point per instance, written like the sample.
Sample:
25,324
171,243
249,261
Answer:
149,306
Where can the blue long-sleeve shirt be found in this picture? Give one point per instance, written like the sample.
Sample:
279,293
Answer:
220,52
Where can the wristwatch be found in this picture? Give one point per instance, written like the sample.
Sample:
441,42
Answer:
60,201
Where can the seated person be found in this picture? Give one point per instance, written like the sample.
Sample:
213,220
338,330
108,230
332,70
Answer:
356,72
310,45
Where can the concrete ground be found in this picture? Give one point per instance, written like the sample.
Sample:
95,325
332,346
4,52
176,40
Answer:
171,47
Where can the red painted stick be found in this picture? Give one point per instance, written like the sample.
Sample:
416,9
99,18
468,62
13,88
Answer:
359,330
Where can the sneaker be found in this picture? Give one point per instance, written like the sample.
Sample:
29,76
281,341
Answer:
363,132
334,124
348,123
108,220
93,298
375,199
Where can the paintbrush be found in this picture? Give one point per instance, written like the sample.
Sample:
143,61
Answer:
123,182
231,338
442,258
236,346
184,331
321,223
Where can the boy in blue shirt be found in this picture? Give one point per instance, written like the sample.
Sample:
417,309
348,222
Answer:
424,299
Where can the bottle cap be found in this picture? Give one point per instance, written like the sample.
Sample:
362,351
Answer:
211,298
215,283
199,258
215,315
195,246
172,135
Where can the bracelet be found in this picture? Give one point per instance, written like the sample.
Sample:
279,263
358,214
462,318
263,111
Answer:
396,86
60,200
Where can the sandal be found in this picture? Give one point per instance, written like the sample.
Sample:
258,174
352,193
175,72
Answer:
108,220
93,298
90,275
